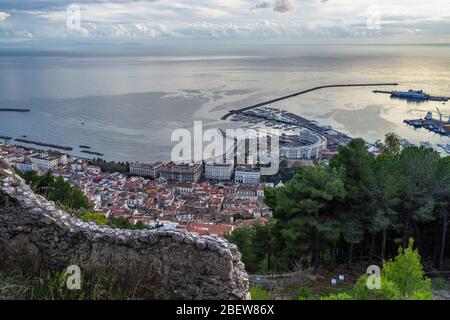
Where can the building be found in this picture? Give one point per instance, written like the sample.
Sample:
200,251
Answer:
45,162
146,170
219,171
184,188
262,187
306,145
190,172
210,229
25,166
247,175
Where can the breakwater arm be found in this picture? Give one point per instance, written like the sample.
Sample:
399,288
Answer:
303,92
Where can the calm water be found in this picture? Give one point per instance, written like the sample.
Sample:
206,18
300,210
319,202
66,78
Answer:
130,103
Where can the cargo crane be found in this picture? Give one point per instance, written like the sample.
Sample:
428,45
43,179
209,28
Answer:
440,114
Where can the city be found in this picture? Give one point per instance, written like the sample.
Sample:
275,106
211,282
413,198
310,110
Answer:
217,158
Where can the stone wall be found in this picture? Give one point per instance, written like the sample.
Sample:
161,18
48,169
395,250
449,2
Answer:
37,237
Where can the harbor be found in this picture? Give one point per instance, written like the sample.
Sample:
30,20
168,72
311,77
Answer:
429,123
280,119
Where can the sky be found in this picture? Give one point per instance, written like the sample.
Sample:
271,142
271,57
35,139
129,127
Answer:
311,20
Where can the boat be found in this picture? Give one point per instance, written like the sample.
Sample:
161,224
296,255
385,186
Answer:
411,94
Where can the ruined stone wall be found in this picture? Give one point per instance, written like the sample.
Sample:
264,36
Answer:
37,237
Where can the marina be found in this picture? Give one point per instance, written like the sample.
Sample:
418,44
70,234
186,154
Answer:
284,120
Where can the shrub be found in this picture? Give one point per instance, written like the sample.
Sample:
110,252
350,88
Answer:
305,293
339,296
96,217
439,284
406,272
388,290
259,293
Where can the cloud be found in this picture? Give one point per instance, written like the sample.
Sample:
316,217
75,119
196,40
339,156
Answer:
222,18
284,6
3,16
262,5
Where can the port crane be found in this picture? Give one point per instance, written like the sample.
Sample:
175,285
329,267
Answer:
440,113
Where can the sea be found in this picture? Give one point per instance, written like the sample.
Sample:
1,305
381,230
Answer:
126,100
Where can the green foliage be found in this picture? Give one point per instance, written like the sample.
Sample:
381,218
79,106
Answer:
259,293
387,291
439,284
52,286
339,296
284,174
96,217
56,189
406,272
120,223
305,293
391,145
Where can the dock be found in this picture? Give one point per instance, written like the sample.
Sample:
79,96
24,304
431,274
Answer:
335,138
261,104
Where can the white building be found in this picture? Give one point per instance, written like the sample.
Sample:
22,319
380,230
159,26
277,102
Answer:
218,171
184,188
146,170
307,145
25,166
45,162
247,175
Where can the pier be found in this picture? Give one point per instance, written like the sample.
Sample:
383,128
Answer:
303,92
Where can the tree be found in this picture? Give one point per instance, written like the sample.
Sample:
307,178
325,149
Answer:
417,202
356,162
391,145
406,272
441,192
303,207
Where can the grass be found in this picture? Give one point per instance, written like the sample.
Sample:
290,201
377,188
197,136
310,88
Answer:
52,286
